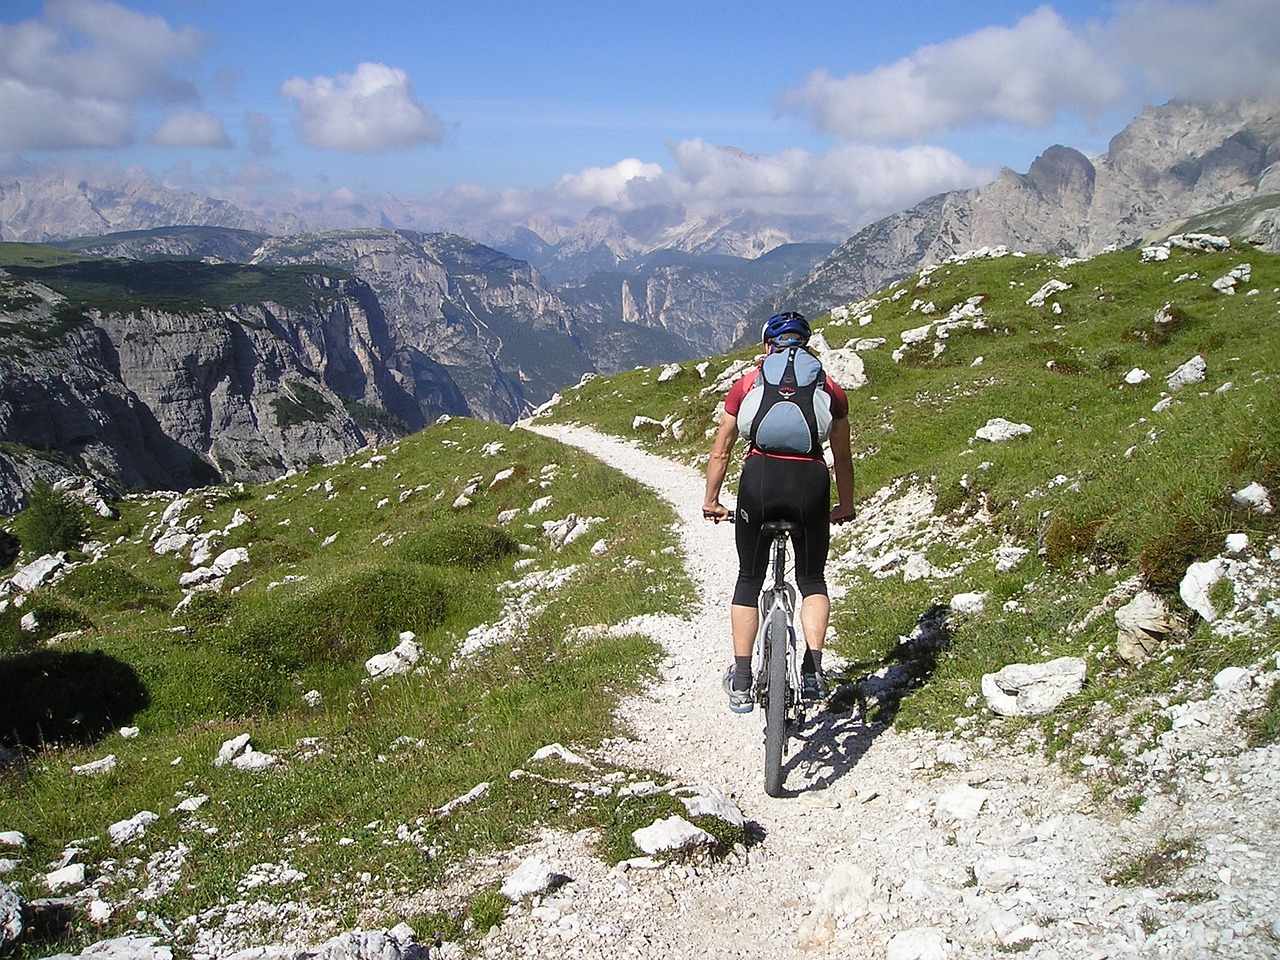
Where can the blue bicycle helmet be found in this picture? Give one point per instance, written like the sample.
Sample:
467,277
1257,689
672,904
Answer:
790,326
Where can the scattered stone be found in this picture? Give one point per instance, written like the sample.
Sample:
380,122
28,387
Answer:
1190,373
1200,579
126,831
998,429
96,768
1032,690
1254,497
532,877
671,834
66,878
1144,625
398,661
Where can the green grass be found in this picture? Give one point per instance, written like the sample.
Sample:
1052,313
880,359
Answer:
1106,487
427,534
362,770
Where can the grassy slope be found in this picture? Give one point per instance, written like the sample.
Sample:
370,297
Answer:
1102,488
370,763
1105,488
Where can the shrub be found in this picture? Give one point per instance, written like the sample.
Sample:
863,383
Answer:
110,585
1067,539
342,619
52,521
459,543
1164,559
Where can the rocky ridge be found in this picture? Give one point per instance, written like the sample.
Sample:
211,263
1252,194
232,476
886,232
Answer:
1170,163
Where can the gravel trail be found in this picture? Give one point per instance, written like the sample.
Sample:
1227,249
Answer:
909,846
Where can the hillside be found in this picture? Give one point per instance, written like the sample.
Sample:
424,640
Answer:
1037,446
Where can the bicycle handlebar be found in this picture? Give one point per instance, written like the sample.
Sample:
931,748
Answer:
730,518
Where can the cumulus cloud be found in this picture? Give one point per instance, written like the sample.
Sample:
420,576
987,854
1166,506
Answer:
190,128
851,182
1042,68
1026,75
1199,50
605,185
73,76
370,110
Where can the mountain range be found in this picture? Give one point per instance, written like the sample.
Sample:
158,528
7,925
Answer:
387,327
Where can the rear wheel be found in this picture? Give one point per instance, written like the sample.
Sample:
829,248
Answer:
775,707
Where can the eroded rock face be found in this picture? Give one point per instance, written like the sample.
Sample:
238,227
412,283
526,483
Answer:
158,399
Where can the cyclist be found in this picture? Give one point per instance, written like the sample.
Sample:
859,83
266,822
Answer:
781,487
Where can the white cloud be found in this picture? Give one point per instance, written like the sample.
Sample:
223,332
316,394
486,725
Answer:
1200,50
190,128
367,111
72,77
854,182
44,119
1026,75
605,185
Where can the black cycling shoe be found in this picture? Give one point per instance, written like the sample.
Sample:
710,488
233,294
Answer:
813,686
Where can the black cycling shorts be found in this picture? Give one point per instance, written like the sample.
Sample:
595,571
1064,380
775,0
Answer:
775,488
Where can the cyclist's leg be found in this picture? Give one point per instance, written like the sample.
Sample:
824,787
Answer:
744,614
811,560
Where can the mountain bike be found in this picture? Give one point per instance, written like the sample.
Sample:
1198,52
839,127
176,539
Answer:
778,658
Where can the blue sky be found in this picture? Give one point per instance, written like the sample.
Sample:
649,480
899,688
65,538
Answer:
510,110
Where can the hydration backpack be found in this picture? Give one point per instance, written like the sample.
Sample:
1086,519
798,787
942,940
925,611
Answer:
787,410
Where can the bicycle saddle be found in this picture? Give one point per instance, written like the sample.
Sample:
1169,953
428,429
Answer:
789,527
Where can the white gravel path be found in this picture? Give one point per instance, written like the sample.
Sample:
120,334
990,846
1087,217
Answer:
908,846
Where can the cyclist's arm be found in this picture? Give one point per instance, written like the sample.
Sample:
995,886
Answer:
842,461
718,466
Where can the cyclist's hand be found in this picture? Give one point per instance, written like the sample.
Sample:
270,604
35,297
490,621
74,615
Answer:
715,512
841,513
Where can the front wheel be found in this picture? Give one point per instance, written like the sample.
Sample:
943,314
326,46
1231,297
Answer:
775,707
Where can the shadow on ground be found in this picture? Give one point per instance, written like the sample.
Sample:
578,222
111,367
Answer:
865,703
54,697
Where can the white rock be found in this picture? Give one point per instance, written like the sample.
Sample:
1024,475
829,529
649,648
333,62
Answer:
1136,375
1008,558
124,831
13,838
64,879
230,748
671,834
252,761
922,943
1191,372
39,571
1237,543
398,661
846,897
533,876
129,733
971,603
96,768
714,802
225,561
1254,497
998,429
1032,690
1199,581
1232,680
961,802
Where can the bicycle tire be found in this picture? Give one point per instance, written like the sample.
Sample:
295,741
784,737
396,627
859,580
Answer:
775,708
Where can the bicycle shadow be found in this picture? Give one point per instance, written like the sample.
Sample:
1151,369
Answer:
859,710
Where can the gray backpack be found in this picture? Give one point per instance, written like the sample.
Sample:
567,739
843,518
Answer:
787,410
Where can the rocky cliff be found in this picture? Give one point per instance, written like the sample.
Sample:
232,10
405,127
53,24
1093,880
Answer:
1170,163
151,396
